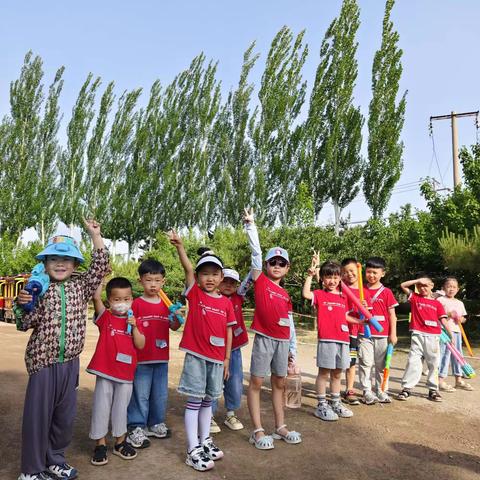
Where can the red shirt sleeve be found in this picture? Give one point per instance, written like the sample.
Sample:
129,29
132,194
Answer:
440,310
231,320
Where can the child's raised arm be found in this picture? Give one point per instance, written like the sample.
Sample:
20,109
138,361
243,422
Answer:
176,241
405,286
254,243
311,272
97,301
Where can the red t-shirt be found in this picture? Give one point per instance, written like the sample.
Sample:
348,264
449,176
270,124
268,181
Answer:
426,314
240,335
273,309
382,301
115,355
153,317
205,332
356,328
331,316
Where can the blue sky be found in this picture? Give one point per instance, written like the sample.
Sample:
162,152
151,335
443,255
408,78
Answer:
134,43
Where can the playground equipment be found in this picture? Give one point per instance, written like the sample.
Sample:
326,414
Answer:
386,370
366,328
368,316
467,369
9,288
173,307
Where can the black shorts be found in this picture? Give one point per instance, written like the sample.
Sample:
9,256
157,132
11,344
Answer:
353,351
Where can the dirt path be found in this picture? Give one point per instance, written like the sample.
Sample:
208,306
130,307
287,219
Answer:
417,439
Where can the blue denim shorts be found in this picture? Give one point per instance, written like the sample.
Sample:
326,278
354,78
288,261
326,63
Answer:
201,378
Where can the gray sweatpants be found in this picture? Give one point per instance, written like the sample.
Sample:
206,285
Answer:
422,347
371,352
110,400
48,416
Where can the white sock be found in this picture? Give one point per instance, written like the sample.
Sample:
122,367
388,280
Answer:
204,418
191,422
230,413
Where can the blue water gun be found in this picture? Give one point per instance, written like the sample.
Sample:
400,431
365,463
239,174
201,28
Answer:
36,286
173,307
129,315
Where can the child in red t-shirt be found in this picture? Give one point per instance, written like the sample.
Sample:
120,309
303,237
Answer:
333,354
350,277
207,341
428,316
273,325
113,363
372,351
148,405
233,387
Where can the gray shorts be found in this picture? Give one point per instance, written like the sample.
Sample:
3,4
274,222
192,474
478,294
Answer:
269,355
333,355
201,378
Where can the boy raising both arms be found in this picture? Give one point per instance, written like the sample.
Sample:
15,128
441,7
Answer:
148,405
372,351
272,326
333,354
428,316
207,341
58,322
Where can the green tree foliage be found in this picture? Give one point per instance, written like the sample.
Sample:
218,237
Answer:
385,121
462,252
334,126
276,134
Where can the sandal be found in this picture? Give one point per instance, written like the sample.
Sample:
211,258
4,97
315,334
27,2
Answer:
464,386
445,387
434,396
291,437
99,455
262,443
125,451
403,395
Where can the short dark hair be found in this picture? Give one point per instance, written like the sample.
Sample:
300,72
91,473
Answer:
348,261
448,279
375,262
329,268
152,266
117,282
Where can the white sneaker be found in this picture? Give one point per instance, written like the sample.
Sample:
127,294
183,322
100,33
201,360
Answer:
63,471
34,476
369,398
199,460
159,430
341,410
233,423
137,438
383,397
211,449
214,428
324,412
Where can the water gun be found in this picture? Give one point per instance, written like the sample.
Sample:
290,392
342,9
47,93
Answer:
366,328
173,307
467,369
386,370
36,286
129,327
455,316
368,316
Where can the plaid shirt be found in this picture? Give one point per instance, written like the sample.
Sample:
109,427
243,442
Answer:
59,318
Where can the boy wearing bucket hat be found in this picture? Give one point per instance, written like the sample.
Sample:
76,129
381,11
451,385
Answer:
233,387
58,322
273,326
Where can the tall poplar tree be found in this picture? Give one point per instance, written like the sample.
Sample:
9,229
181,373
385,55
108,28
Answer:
385,122
333,128
276,134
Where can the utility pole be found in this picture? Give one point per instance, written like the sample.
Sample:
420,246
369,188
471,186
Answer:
453,118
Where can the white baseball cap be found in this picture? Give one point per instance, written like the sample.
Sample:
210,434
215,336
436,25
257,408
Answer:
277,252
230,273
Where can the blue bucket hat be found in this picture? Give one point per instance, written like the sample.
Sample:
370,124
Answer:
62,246
277,252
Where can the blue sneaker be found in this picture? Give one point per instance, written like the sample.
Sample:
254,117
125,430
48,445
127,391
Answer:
64,471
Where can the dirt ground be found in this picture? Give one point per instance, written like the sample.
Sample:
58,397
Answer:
415,439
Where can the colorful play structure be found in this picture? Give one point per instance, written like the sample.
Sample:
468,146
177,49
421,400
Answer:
9,288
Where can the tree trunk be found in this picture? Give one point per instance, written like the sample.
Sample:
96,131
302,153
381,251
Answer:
338,211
